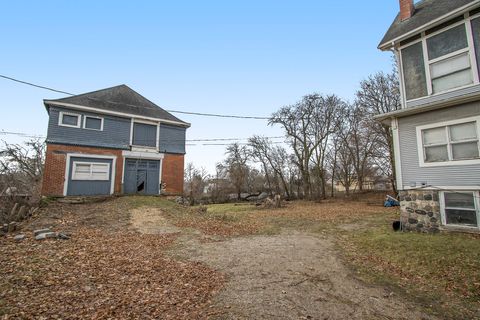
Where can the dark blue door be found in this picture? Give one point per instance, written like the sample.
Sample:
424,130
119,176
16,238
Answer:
142,176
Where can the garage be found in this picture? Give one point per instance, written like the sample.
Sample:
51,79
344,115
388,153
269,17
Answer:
89,176
142,176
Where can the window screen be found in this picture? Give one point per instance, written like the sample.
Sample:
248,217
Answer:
476,39
449,41
70,120
93,123
414,71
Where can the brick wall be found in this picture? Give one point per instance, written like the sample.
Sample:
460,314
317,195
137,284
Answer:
55,162
172,174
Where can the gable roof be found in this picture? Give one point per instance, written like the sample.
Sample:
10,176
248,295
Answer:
426,11
118,100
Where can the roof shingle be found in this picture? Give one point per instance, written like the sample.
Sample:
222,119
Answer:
425,12
119,99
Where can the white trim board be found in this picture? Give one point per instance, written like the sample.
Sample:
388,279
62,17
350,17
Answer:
115,113
142,155
396,153
92,156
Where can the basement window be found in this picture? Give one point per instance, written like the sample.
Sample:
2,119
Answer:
460,209
91,171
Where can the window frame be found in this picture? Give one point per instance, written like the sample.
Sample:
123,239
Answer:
450,161
93,117
470,49
476,197
78,115
91,164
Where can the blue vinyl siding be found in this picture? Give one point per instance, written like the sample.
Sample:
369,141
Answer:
172,139
453,175
88,187
115,134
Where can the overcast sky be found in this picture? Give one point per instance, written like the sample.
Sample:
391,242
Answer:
230,57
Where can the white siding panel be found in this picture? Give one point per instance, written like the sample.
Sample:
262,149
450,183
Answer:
465,175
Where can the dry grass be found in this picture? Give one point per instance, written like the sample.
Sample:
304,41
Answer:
105,271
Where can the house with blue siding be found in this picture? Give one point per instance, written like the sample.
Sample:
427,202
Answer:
436,132
112,141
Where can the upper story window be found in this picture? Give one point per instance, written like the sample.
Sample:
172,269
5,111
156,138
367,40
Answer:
69,120
441,60
145,135
453,142
93,123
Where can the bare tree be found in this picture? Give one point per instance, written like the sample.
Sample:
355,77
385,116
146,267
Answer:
308,125
361,140
380,93
272,157
195,182
237,168
21,166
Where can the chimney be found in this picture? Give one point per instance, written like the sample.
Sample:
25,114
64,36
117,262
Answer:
406,9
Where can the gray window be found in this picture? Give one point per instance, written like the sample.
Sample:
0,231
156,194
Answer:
144,135
93,123
414,71
476,40
460,209
452,40
70,120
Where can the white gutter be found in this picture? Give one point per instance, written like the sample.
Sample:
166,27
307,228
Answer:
115,113
387,45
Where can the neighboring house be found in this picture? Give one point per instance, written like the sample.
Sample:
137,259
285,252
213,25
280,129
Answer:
112,141
436,132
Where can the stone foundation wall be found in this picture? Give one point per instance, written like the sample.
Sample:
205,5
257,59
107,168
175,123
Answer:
420,210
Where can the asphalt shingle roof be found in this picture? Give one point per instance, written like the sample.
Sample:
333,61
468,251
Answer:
425,11
119,99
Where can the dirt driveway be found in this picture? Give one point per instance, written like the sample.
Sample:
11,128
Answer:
292,275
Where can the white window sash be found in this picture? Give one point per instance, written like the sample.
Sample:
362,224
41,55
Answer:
77,176
60,119
92,117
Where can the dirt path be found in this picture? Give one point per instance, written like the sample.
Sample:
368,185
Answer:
287,276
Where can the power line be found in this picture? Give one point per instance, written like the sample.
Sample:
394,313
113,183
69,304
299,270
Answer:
28,135
172,111
36,85
219,115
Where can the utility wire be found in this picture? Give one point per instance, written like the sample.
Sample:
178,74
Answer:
28,135
36,85
172,111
